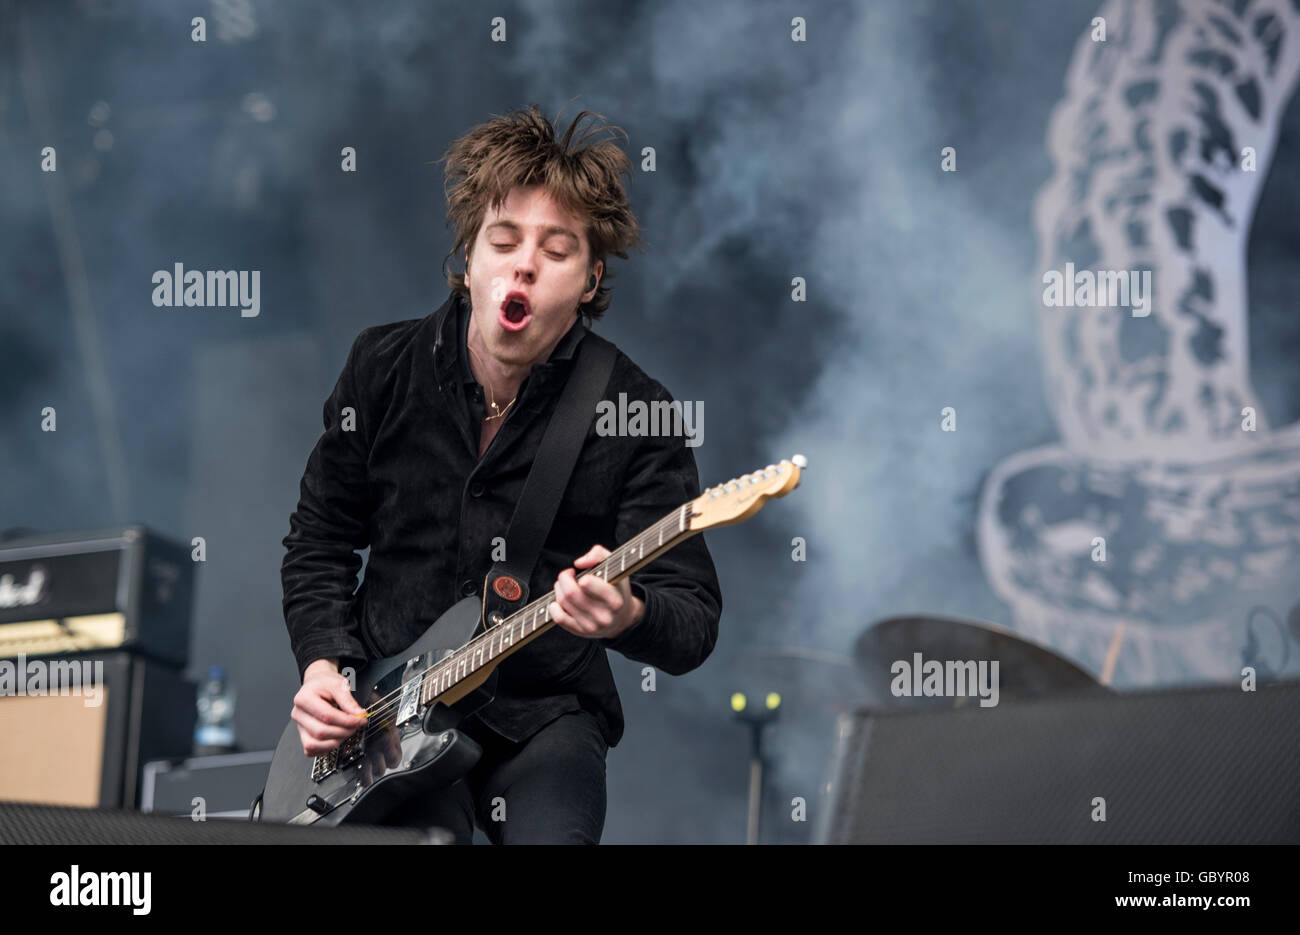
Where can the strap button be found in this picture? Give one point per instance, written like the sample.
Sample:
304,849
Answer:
467,587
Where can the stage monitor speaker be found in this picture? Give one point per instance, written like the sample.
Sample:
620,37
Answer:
1199,766
227,784
43,824
77,728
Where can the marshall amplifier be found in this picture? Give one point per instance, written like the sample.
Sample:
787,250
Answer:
126,588
78,728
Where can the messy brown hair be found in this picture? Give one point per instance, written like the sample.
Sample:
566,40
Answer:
521,149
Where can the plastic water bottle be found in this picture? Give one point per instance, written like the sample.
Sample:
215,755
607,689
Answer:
215,730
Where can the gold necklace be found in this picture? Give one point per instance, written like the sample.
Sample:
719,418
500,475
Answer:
492,397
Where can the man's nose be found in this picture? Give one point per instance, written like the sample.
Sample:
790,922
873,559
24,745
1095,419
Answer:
526,264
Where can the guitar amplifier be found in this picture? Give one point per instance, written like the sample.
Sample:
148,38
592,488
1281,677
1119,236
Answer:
125,587
77,728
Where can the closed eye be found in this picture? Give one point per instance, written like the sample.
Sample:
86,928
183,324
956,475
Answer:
550,253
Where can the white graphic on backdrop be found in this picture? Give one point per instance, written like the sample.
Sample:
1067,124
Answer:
1169,505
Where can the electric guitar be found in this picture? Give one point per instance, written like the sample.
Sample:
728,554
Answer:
415,699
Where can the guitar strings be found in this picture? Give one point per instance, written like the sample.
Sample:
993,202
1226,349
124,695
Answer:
377,720
390,701
468,648
393,699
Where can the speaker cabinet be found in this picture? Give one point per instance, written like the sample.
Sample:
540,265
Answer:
77,728
1197,766
44,824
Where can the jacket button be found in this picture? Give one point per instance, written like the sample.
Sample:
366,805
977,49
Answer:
467,587
476,490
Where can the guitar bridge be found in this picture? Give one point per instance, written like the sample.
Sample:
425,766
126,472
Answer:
346,753
323,765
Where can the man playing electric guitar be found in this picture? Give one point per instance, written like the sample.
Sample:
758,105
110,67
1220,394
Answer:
430,433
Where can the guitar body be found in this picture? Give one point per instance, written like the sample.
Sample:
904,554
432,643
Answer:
353,783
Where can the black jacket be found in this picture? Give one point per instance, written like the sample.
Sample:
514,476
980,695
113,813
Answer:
407,482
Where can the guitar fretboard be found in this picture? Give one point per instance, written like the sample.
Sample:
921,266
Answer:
527,624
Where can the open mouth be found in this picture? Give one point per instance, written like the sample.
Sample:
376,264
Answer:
515,312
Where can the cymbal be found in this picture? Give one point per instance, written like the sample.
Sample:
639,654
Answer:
1026,669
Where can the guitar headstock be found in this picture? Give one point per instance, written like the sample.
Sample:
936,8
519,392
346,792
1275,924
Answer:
741,497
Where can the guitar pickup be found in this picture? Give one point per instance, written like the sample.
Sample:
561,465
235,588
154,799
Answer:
329,763
350,749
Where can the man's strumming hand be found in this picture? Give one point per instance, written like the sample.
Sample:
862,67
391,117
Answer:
591,607
327,714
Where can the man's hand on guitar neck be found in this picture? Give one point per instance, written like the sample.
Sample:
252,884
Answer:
326,712
592,607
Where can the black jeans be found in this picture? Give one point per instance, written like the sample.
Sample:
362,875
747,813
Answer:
550,789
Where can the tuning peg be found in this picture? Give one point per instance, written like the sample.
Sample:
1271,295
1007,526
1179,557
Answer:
800,461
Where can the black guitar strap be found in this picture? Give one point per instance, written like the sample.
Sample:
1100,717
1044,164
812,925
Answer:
506,587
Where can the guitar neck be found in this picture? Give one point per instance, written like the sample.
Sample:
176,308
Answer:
522,627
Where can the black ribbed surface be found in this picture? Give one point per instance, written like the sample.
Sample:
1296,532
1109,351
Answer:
49,824
1206,765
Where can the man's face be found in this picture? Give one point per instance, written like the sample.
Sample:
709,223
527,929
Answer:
527,275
